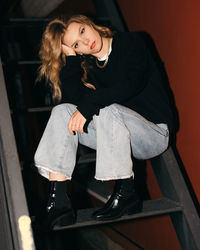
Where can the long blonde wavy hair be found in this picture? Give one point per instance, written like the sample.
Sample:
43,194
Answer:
51,54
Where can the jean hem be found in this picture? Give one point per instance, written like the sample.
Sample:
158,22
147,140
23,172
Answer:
113,177
42,171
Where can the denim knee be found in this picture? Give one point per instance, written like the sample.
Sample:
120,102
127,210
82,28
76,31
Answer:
109,113
64,110
58,110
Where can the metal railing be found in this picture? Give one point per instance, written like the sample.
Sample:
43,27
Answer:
15,227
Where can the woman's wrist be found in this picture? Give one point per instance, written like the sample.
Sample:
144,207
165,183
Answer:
71,55
68,51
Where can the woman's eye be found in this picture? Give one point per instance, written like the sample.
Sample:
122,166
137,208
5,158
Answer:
82,30
76,45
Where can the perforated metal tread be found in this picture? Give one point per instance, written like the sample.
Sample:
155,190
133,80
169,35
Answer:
150,208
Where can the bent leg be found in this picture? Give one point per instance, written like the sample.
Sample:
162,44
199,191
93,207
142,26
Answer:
147,139
120,130
113,159
56,152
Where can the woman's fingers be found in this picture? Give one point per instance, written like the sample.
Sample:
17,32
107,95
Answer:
81,127
78,126
76,122
70,126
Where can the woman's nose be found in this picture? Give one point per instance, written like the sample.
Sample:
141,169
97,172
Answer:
86,41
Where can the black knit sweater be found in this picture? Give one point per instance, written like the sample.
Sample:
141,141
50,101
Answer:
131,78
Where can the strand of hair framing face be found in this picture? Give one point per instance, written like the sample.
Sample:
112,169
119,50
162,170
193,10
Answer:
84,77
106,61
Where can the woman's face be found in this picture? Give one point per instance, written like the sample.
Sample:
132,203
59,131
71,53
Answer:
83,38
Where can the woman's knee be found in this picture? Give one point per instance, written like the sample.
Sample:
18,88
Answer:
63,109
109,111
109,115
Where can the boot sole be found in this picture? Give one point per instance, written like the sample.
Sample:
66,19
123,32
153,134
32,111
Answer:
132,209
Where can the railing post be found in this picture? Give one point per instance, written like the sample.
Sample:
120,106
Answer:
17,211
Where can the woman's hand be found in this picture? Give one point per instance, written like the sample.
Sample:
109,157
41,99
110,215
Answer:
68,51
76,122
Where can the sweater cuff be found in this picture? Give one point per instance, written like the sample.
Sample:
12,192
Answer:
87,111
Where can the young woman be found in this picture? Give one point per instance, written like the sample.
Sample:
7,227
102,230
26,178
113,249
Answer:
110,98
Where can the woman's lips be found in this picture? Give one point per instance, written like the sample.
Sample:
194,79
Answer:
92,45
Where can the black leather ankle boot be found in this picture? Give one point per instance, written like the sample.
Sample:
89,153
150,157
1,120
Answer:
58,209
124,200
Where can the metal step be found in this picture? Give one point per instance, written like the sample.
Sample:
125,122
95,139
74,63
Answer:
150,208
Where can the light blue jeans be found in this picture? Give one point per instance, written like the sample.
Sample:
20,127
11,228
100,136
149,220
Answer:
115,133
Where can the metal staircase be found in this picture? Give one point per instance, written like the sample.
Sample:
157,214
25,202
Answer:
176,200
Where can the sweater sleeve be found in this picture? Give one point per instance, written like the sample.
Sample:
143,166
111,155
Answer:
70,76
130,80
